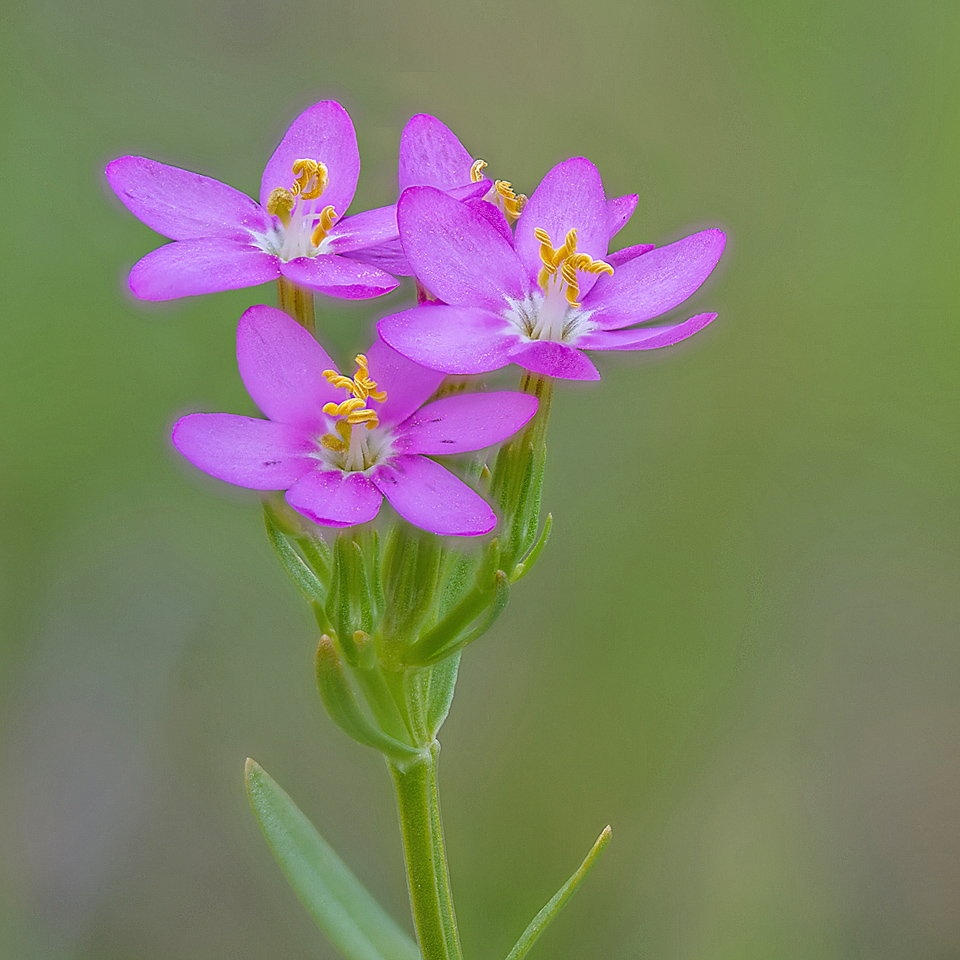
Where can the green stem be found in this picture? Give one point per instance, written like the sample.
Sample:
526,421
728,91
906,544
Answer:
297,302
427,876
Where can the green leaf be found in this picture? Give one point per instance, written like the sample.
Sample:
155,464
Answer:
304,579
345,712
539,923
525,565
346,912
501,596
443,682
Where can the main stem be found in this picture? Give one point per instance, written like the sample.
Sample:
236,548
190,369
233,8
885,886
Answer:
427,876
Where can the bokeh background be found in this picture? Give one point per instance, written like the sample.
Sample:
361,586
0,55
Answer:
740,648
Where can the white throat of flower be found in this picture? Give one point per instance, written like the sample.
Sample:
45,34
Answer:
556,314
305,222
350,446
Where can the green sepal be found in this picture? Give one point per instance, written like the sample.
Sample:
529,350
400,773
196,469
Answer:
455,576
316,551
342,907
323,622
362,581
539,923
304,579
501,596
345,712
526,564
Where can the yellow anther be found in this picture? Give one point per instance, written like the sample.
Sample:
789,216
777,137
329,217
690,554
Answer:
354,409
327,217
476,171
568,261
310,179
333,443
280,203
513,203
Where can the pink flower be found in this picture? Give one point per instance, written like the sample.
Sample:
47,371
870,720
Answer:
338,445
223,240
541,298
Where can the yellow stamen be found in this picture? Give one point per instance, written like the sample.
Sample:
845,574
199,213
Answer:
513,203
327,217
568,262
476,171
354,409
332,443
310,179
280,203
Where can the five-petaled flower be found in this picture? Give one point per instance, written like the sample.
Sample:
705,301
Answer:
223,240
337,453
540,297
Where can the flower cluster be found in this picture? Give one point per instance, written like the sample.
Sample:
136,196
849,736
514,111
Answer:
501,280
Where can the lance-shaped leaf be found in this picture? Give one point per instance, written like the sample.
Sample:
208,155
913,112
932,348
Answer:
304,579
526,564
342,907
553,906
501,596
345,712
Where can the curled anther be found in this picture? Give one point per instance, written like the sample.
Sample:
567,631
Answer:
328,217
476,171
513,203
310,179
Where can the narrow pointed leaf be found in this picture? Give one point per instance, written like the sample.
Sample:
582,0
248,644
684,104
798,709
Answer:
525,565
443,682
346,912
501,596
304,579
539,923
344,710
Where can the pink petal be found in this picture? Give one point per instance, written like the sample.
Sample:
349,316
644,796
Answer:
431,155
334,498
466,421
457,340
182,205
408,385
554,359
339,276
493,215
619,212
259,454
620,257
431,497
367,229
282,366
456,252
644,338
388,257
323,132
185,268
569,196
656,282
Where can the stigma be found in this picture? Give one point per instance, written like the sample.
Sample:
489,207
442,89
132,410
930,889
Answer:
353,412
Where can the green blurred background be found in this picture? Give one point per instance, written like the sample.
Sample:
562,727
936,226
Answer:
741,646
